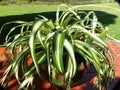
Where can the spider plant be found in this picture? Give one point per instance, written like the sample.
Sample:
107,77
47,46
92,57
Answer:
57,44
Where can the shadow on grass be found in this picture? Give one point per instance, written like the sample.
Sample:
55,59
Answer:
103,17
24,17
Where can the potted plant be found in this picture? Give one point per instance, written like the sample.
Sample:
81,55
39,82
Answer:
60,50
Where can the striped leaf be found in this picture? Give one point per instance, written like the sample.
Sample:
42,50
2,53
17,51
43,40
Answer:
70,50
57,51
37,25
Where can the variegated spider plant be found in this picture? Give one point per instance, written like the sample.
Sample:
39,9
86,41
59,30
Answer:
55,43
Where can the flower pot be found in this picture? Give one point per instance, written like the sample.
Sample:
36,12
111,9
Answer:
85,83
115,50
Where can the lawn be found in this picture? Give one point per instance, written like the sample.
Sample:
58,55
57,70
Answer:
25,9
108,14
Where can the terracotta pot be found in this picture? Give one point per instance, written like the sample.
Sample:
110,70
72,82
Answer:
115,50
85,83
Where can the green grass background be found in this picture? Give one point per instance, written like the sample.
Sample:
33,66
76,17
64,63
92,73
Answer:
107,13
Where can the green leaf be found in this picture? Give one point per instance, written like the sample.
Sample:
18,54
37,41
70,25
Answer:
26,82
83,47
40,38
41,57
94,23
49,37
57,52
70,50
93,36
69,69
37,25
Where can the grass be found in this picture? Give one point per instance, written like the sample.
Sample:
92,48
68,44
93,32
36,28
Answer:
25,9
109,16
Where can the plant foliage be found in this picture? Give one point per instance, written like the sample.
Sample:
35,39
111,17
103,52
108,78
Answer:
55,44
